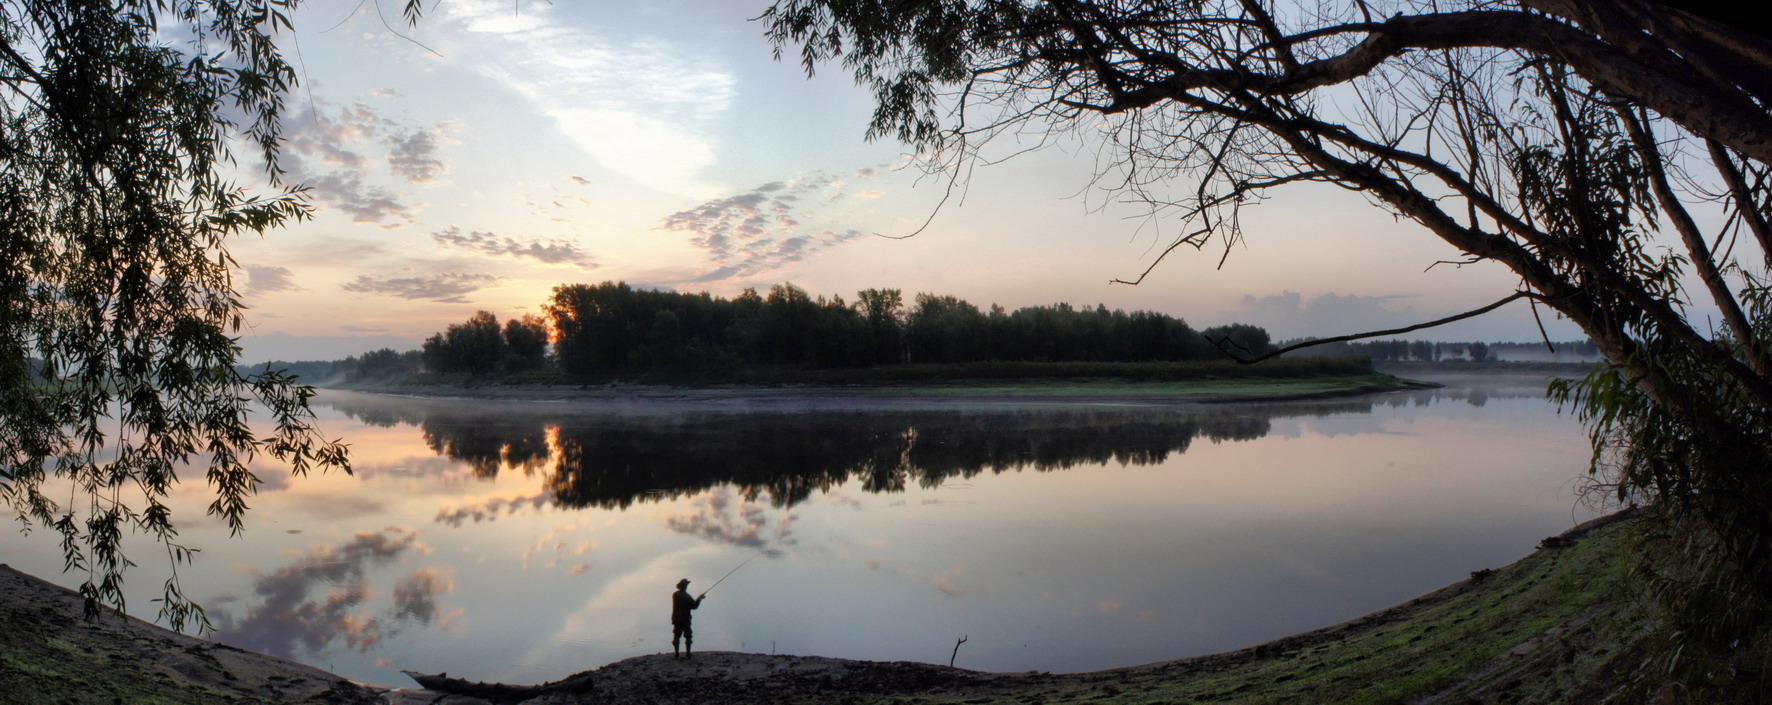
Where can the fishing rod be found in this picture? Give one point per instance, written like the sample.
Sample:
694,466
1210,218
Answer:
728,574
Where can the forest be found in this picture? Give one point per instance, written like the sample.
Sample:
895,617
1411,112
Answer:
614,330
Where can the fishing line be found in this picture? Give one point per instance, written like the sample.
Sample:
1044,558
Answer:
729,574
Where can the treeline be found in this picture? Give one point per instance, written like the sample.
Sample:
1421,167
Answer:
1394,350
1430,351
612,328
480,347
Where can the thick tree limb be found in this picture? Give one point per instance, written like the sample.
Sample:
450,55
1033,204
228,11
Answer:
1372,334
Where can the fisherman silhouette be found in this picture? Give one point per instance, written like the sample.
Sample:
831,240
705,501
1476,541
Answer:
681,605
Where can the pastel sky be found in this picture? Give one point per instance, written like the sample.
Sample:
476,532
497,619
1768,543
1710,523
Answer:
508,148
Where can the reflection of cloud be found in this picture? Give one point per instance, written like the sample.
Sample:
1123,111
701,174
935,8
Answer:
448,287
558,547
263,279
491,508
761,229
287,616
415,596
719,519
945,582
551,252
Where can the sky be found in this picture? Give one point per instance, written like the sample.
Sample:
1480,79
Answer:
501,149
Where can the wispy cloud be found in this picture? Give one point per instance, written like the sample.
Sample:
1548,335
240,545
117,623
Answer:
412,154
762,229
264,279
331,150
548,252
448,287
640,106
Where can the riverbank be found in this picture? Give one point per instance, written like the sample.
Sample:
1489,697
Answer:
1073,391
1550,628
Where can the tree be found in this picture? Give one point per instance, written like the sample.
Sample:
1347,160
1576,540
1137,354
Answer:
526,343
1586,146
117,309
884,311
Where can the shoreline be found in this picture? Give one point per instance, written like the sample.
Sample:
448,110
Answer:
1058,392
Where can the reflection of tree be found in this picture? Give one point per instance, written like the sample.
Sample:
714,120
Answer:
486,447
611,460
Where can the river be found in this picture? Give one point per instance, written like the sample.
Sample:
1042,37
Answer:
524,542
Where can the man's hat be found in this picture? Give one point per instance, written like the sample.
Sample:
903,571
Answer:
683,583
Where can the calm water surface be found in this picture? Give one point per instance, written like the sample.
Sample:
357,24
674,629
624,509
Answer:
524,542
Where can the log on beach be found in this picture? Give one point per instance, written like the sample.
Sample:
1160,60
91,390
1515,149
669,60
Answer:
501,692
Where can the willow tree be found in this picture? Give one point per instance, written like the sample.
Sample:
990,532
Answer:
1614,154
117,308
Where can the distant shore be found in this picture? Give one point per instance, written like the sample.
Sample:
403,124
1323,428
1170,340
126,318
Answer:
950,393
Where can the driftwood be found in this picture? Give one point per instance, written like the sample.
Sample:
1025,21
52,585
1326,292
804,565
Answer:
500,692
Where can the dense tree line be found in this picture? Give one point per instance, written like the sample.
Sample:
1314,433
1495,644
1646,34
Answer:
479,346
614,328
1427,350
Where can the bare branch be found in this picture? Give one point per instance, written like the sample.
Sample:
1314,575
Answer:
1373,334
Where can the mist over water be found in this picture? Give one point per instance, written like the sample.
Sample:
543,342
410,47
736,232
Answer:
527,541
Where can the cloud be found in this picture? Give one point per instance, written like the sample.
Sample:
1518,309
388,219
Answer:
549,252
761,229
264,279
448,287
330,150
366,204
721,519
639,105
412,155
318,599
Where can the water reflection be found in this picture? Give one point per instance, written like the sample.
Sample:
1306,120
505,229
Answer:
611,461
318,598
